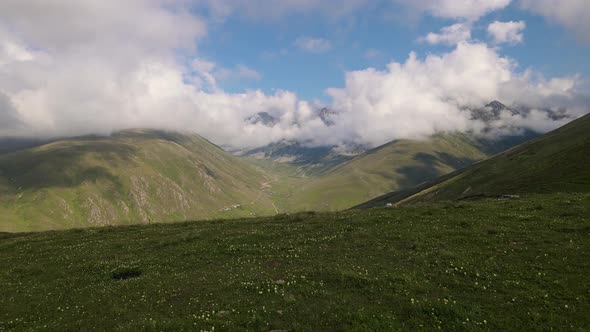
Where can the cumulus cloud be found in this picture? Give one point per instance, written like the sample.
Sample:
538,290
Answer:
207,74
11,51
450,35
61,77
573,14
417,98
75,66
506,32
9,118
313,45
458,9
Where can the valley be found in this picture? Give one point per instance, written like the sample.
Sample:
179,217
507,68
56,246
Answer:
470,242
294,165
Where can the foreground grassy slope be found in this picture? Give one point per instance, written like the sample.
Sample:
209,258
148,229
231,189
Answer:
557,162
136,176
396,165
485,265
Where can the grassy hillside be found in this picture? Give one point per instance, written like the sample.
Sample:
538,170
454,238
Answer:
136,176
557,162
399,164
140,176
473,266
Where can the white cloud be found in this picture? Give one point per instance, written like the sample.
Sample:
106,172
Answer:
9,117
208,74
205,77
83,66
458,9
11,51
313,45
450,35
64,25
506,32
417,98
99,71
573,14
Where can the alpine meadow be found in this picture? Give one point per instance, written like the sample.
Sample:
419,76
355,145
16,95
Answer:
351,165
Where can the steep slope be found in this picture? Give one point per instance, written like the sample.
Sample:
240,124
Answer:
129,177
396,165
556,162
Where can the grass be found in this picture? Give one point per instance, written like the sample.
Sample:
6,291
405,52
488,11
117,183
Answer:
136,176
556,162
393,166
470,266
143,176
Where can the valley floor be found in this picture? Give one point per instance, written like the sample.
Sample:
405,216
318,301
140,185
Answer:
485,265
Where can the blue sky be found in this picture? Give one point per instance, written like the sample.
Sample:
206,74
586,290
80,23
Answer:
368,39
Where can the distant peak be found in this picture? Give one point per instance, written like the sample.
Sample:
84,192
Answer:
496,105
327,116
263,117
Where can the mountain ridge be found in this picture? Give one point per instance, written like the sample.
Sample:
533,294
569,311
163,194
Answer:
128,177
555,162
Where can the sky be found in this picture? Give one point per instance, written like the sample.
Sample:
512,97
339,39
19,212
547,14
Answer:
391,69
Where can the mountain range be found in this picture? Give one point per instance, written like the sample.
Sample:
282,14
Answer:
557,162
133,176
144,176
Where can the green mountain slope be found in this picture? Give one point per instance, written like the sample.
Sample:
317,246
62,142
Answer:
556,162
396,165
130,177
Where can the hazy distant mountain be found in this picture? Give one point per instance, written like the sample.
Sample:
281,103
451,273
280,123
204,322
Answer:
343,180
263,118
325,114
328,116
295,152
493,112
10,144
311,159
144,175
